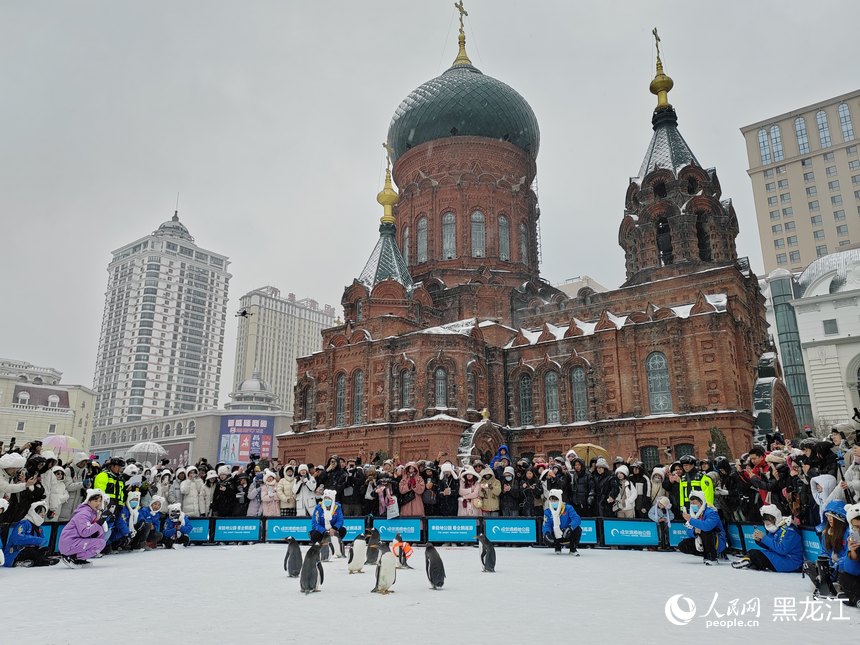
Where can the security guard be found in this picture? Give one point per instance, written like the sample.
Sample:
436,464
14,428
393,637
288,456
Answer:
111,483
693,479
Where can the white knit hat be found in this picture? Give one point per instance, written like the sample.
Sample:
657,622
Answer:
223,470
556,492
852,512
623,470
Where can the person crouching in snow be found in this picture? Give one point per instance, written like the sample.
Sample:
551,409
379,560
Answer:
176,527
561,523
780,549
136,529
84,537
661,514
24,547
152,516
849,579
327,518
704,528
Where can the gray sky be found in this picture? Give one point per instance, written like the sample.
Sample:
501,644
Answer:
268,117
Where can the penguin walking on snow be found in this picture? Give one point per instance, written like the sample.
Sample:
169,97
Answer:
386,573
293,558
403,550
488,554
312,571
435,567
357,555
373,541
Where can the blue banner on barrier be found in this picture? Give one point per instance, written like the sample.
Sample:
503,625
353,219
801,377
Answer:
452,530
199,530
748,530
47,532
354,527
733,537
629,532
589,532
677,532
504,529
409,529
280,528
811,544
247,530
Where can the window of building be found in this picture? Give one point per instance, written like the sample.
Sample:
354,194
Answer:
526,417
792,240
772,201
19,427
781,259
357,398
790,226
340,400
550,386
440,378
406,244
854,164
845,122
802,138
52,428
842,230
844,242
764,147
857,194
359,311
785,198
855,179
851,150
830,327
806,163
823,129
504,238
788,212
479,238
774,215
794,256
839,216
579,394
524,244
770,186
650,457
776,228
815,220
812,191
836,200
449,237
821,250
684,449
405,388
829,156
809,176
779,244
814,205
657,371
831,171
780,170
53,401
782,183
833,185
421,241
768,173
818,235
776,144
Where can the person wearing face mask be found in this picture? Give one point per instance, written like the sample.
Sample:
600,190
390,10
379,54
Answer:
780,548
706,535
510,497
561,524
176,527
84,537
327,518
152,516
24,546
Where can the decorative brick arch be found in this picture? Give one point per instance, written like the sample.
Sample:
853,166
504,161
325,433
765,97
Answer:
477,440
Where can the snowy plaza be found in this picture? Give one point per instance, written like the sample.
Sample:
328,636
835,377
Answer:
228,594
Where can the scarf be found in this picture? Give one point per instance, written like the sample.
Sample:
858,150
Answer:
556,521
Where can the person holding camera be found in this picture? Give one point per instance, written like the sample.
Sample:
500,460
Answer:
24,546
176,527
304,488
223,494
707,536
352,489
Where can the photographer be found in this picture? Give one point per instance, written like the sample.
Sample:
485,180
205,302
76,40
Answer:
224,494
352,489
33,491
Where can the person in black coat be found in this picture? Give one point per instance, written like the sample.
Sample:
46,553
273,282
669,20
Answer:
353,490
557,479
642,483
430,496
447,491
606,489
509,498
224,495
531,490
581,489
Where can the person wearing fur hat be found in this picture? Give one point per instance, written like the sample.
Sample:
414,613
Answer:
204,499
661,514
327,518
780,547
175,495
411,488
469,500
164,484
55,492
491,488
84,535
706,535
657,477
606,487
153,515
24,546
176,527
189,490
624,504
270,504
304,489
561,523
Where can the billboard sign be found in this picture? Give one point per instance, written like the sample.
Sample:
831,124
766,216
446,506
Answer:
242,435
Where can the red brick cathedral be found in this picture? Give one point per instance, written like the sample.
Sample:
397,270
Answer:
453,341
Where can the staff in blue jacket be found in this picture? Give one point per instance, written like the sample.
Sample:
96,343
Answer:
327,518
780,549
177,527
707,537
24,547
561,523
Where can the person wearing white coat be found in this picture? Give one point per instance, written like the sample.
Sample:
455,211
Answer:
55,492
305,490
190,490
163,486
74,481
625,503
175,494
206,490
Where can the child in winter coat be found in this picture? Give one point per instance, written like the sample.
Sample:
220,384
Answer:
24,547
176,527
84,537
661,514
270,504
286,496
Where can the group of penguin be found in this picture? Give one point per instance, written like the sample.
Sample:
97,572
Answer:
369,550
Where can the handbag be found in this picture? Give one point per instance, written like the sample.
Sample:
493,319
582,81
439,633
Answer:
393,510
407,497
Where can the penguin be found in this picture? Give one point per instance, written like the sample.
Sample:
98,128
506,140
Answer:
488,554
435,568
372,546
357,555
312,571
325,550
337,547
400,552
293,558
386,573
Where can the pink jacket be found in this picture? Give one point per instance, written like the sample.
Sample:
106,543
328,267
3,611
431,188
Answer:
467,494
415,508
270,503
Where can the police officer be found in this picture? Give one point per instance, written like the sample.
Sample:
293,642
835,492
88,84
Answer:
692,479
110,481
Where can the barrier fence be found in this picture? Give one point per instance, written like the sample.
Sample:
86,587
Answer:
503,530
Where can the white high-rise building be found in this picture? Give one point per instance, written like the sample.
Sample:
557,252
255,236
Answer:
162,335
273,333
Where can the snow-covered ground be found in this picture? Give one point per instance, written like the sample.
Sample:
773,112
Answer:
232,594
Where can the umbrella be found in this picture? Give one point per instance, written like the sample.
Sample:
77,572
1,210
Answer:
146,452
587,451
62,445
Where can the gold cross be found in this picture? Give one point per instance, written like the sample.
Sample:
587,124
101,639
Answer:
459,6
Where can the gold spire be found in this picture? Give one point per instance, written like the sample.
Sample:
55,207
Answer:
662,84
462,57
387,197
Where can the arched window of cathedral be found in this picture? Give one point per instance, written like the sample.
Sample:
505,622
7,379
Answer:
123,437
660,190
579,394
421,241
405,388
524,244
650,457
692,185
659,394
340,400
684,449
449,237
405,248
704,237
357,398
306,402
144,434
550,395
479,238
526,417
504,238
664,242
359,311
471,388
440,378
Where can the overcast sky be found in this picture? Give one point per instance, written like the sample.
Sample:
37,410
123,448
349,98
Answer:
268,118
